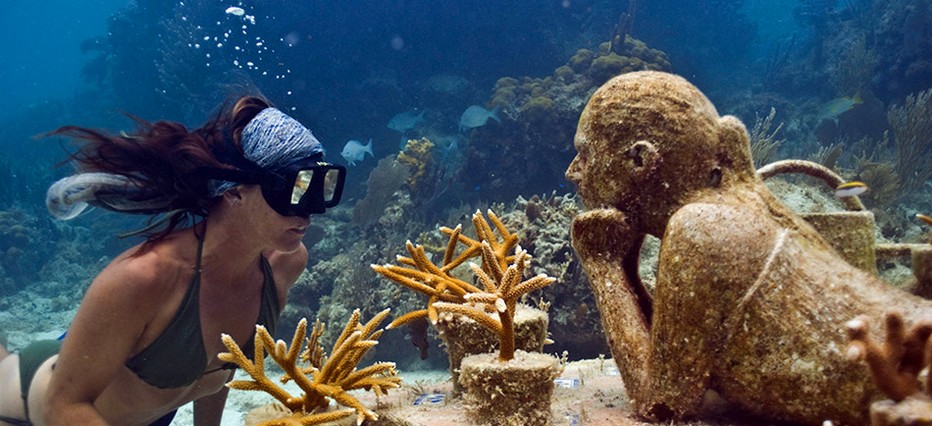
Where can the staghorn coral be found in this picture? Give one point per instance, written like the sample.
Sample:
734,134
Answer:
503,288
438,282
895,365
326,377
543,223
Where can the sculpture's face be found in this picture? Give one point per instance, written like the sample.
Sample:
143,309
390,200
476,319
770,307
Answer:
604,171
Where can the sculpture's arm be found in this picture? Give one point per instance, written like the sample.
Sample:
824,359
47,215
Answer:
608,247
709,256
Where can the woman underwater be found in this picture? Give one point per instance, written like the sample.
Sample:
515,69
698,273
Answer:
146,336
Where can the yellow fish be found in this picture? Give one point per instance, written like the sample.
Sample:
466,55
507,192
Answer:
837,107
850,189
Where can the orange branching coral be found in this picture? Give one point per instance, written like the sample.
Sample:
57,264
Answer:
894,364
437,282
503,288
325,378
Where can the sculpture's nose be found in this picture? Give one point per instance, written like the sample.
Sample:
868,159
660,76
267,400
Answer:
573,173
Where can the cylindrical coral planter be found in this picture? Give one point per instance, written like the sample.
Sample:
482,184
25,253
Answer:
851,234
514,392
277,412
921,257
462,336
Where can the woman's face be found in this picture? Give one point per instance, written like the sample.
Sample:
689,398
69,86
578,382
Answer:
282,233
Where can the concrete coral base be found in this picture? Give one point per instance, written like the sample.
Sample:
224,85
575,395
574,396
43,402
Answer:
278,412
922,270
462,336
911,411
849,233
510,393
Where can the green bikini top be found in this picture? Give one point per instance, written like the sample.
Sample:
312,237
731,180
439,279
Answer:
177,357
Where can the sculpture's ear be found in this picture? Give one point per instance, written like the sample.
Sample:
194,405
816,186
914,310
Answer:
735,142
645,156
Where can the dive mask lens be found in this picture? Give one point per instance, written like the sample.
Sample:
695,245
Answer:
318,187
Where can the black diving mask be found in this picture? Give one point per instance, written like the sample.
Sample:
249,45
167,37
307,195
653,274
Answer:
302,188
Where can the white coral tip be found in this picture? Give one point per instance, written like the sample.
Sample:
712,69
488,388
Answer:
854,353
855,324
500,304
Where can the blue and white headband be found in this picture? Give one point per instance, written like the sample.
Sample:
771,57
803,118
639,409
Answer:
271,140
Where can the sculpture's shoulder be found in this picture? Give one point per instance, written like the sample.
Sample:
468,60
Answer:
721,233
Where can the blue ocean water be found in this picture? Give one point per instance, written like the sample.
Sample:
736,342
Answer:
830,70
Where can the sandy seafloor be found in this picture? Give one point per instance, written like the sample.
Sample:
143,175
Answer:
588,392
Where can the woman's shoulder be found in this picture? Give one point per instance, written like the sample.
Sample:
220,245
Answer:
147,271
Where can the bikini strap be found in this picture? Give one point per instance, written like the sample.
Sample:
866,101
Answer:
200,247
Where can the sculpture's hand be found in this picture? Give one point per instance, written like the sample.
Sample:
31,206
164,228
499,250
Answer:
608,247
604,235
895,364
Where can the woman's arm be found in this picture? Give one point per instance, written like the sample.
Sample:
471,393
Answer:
208,411
105,331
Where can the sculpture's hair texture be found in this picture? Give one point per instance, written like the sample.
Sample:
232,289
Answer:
151,170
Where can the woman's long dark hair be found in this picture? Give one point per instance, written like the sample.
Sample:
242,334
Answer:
161,157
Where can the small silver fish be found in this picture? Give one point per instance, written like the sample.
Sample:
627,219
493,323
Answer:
405,121
477,116
355,151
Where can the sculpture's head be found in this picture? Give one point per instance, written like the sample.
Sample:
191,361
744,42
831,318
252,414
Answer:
649,141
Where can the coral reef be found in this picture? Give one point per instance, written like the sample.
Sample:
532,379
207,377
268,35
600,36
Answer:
326,377
761,328
539,115
387,177
418,156
27,242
